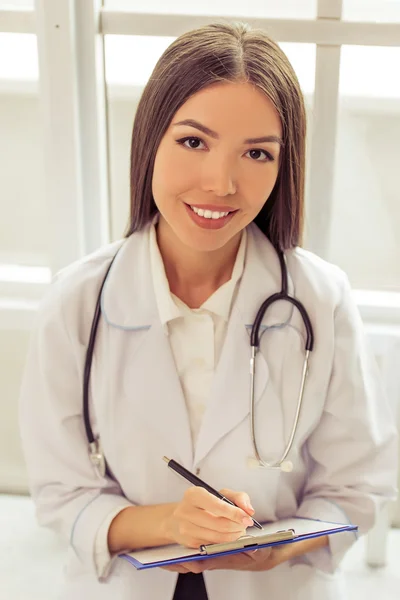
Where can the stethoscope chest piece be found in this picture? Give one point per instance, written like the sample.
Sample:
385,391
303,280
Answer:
97,459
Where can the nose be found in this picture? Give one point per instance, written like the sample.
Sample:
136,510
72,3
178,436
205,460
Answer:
219,177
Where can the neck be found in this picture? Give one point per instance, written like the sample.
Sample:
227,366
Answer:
194,276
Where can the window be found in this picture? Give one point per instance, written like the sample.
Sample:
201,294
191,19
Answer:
284,9
366,209
10,4
371,10
24,225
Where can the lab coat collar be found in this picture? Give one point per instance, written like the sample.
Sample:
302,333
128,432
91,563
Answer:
128,299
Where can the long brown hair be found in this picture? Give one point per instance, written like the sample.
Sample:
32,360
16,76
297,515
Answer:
223,52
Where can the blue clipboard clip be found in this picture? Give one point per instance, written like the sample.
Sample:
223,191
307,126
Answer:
248,542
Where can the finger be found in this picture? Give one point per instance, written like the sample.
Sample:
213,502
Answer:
200,498
241,499
177,568
196,566
261,556
236,561
206,520
195,535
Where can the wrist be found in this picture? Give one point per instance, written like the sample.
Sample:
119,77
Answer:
141,527
118,532
166,525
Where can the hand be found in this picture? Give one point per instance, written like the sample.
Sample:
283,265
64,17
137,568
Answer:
202,518
254,560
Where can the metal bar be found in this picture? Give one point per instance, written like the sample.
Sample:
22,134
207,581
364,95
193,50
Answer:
327,32
17,20
323,139
72,89
58,83
92,107
329,9
322,154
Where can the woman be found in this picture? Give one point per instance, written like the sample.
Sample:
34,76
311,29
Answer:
217,178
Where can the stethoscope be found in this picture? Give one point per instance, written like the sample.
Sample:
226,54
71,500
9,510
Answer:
95,451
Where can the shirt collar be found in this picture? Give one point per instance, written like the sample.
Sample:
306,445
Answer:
170,307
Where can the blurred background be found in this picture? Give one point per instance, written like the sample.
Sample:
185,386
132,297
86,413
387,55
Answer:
71,75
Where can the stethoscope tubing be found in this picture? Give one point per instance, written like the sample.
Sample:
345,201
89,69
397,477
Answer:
282,296
95,452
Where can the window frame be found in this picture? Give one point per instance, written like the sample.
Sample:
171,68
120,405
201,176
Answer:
80,120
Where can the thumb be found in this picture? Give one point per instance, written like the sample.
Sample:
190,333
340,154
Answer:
241,499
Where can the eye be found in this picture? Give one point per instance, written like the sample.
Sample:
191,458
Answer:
258,155
191,142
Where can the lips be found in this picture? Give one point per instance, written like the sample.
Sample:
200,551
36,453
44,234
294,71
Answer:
207,223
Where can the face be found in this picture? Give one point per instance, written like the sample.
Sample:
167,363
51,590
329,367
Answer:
216,165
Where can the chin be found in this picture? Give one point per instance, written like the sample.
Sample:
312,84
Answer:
211,242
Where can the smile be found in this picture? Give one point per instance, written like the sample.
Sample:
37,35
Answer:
207,217
209,214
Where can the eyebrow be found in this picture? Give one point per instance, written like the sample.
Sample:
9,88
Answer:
213,134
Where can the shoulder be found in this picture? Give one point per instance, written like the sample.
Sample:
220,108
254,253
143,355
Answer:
87,269
72,295
311,277
316,278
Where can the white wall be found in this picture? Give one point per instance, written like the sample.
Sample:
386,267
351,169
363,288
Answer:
13,345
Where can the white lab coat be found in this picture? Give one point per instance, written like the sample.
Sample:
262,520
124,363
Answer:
344,450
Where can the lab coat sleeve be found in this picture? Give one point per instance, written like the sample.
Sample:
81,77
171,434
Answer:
352,453
103,559
69,496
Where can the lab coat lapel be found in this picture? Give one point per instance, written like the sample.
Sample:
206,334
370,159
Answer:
150,381
229,403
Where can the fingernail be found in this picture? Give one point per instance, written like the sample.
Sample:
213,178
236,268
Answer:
247,521
249,506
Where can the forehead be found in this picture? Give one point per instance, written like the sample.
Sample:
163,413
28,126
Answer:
228,106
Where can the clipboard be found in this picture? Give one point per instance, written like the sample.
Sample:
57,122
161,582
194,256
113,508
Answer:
287,531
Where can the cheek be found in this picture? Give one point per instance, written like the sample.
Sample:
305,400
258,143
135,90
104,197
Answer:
171,176
257,186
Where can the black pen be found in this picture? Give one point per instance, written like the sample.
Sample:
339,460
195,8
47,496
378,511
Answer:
197,481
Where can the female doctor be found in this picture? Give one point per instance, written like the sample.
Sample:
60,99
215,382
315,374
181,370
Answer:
217,177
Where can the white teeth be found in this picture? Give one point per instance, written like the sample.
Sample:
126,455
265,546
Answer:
208,214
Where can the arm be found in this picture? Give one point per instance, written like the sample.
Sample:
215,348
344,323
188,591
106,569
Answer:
352,454
69,497
140,527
